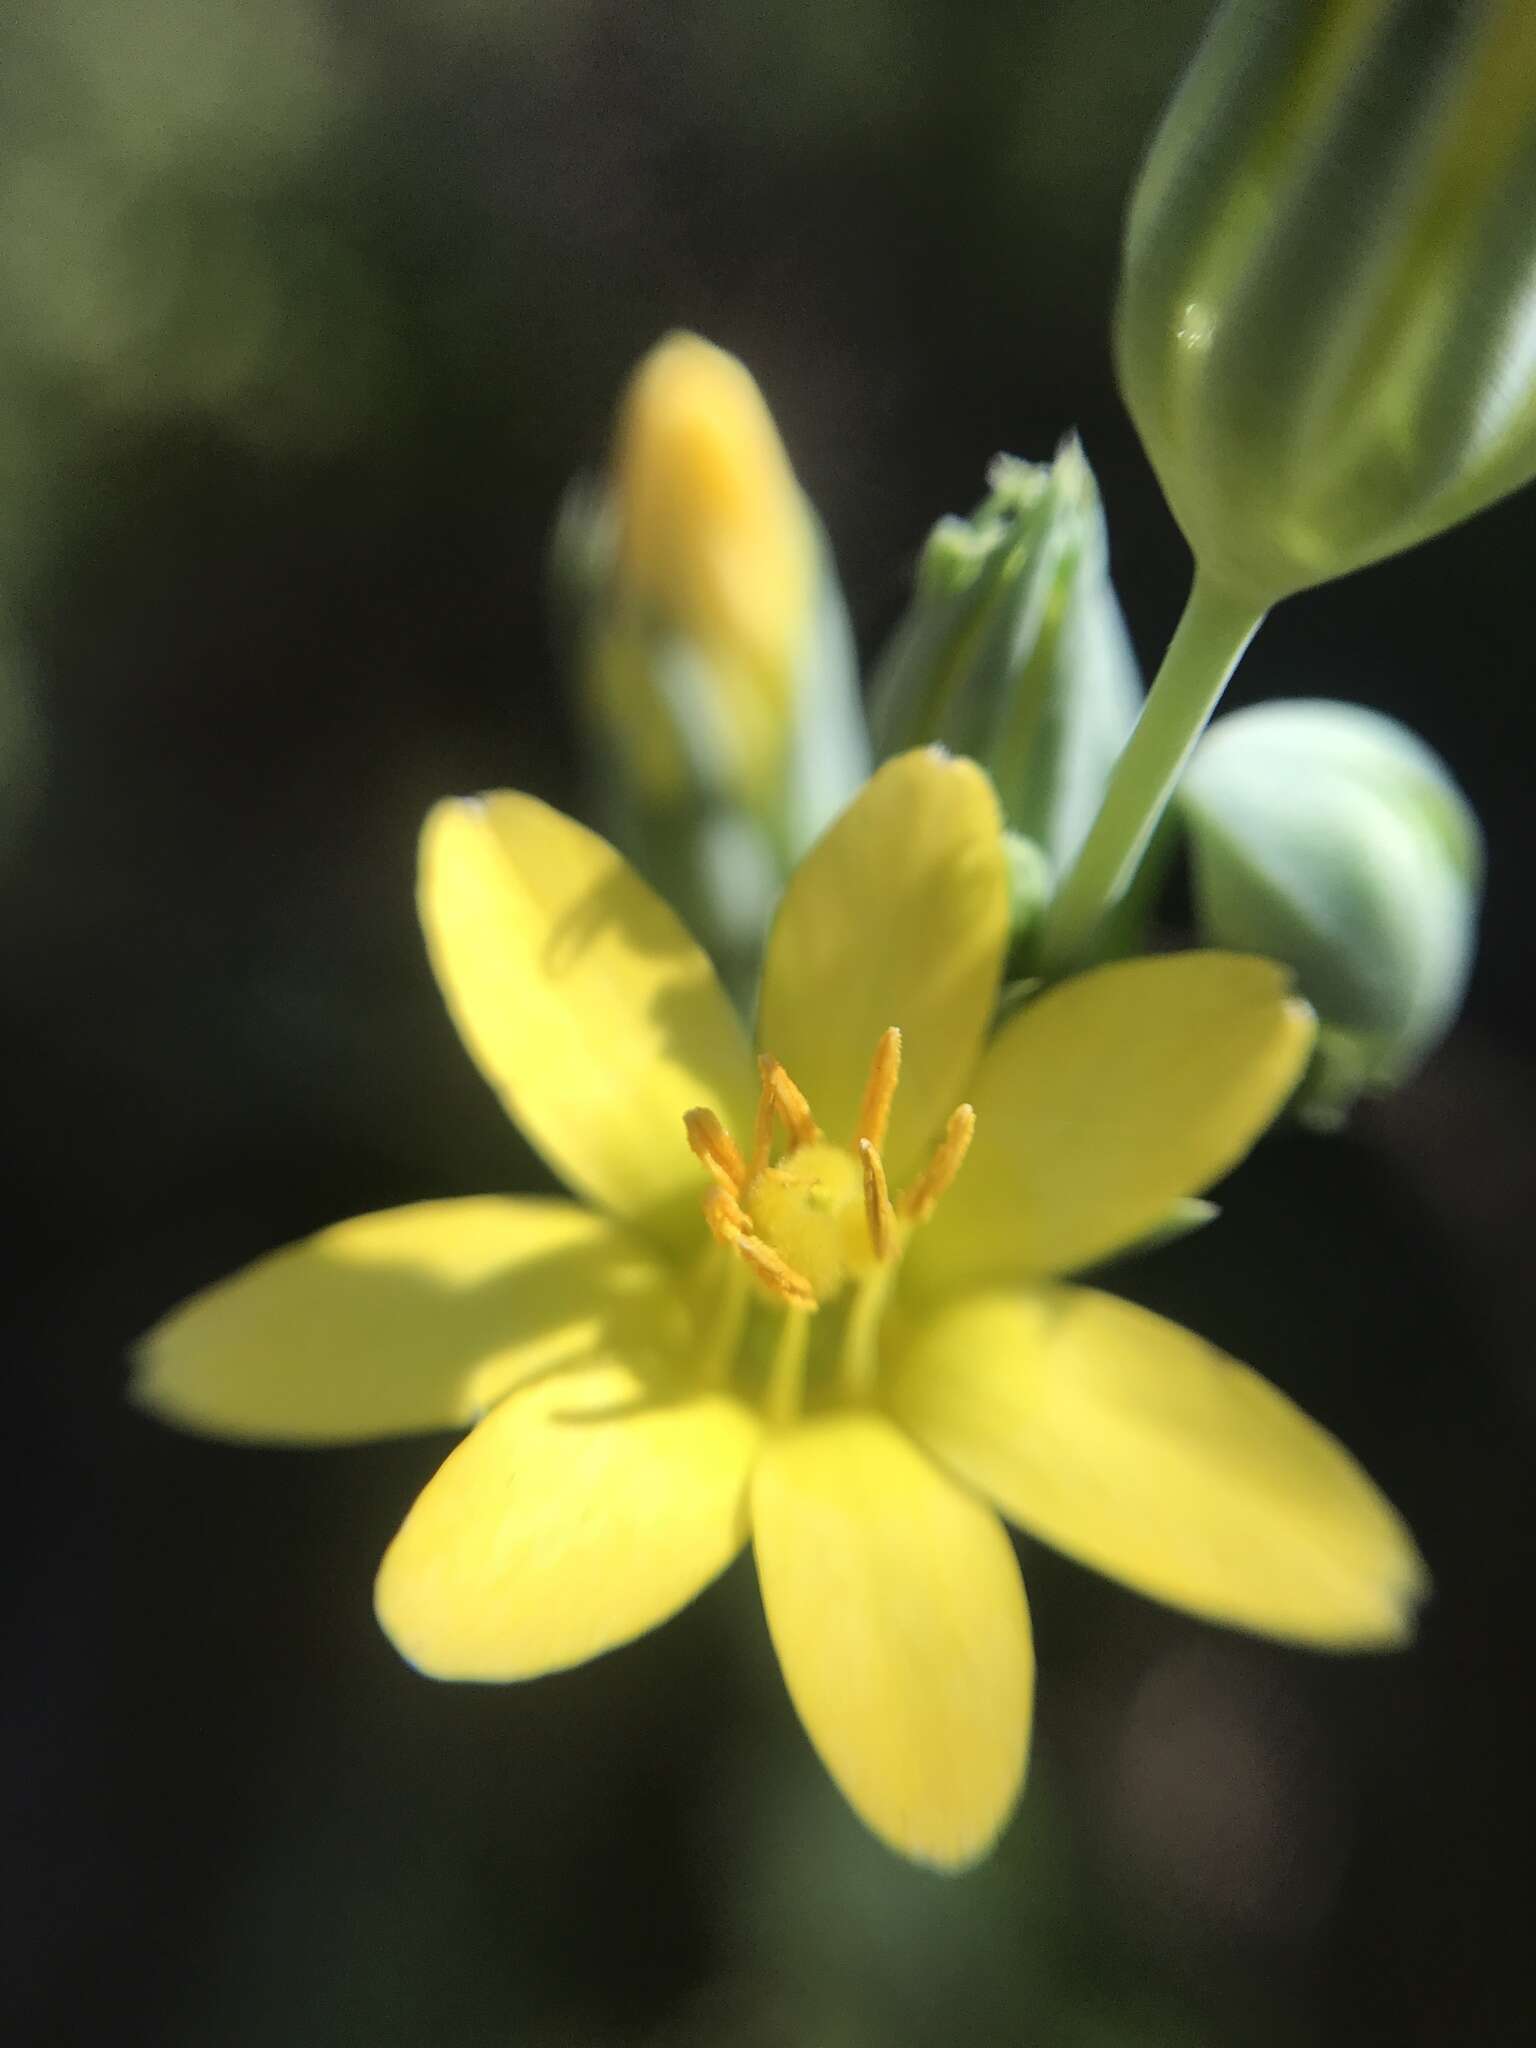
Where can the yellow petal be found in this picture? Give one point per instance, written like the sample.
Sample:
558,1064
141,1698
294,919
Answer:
585,1509
898,1615
1105,1100
898,915
1134,1447
411,1319
586,1005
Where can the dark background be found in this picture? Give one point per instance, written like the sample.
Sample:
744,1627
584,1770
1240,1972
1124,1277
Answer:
306,314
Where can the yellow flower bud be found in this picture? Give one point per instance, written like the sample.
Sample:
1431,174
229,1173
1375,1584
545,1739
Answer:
711,537
708,642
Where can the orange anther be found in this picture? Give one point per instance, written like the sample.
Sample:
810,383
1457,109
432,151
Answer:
714,1146
789,1102
878,1213
728,1221
776,1273
880,1089
919,1200
762,1128
731,1226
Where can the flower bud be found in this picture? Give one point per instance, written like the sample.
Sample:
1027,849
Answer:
1029,886
711,649
1331,838
1013,651
1326,329
711,539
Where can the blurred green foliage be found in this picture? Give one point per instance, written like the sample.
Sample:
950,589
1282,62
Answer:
161,258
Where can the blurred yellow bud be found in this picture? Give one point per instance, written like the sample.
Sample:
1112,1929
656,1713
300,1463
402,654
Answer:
709,645
711,533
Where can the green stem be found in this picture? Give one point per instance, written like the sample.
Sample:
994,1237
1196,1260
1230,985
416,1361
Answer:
1207,647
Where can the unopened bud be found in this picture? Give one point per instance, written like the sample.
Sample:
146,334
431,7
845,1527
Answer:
1326,330
714,664
1013,651
1332,839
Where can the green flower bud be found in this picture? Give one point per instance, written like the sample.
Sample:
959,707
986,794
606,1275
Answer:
1029,886
1326,330
1013,651
714,665
1331,838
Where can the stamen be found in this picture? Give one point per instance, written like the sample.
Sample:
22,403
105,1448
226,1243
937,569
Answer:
732,1227
878,1212
722,1340
786,1371
715,1148
790,1104
938,1175
725,1216
860,1363
776,1273
762,1128
880,1089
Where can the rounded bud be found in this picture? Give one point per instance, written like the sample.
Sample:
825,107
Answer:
1332,839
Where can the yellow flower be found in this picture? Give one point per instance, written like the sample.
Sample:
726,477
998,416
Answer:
864,1354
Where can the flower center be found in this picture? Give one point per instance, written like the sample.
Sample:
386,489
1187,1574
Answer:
808,1223
810,1210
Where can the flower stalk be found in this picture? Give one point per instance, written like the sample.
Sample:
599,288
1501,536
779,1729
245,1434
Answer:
1211,638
